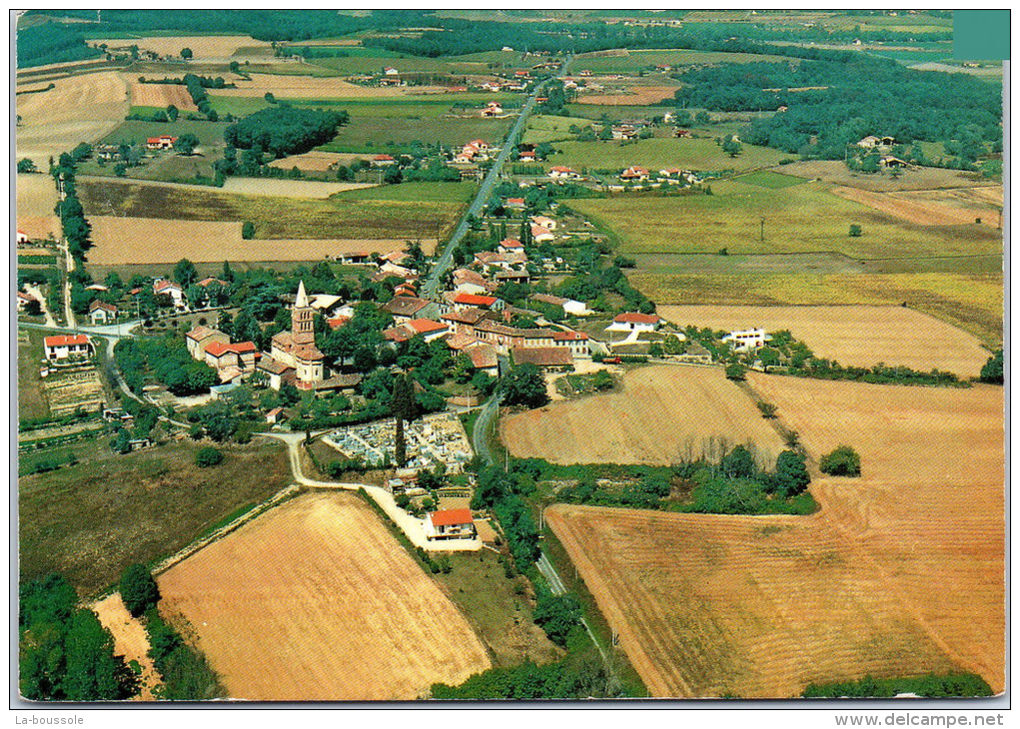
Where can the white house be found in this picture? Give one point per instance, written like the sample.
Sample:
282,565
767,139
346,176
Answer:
65,346
544,221
390,71
450,524
744,340
382,160
22,237
540,234
562,173
634,322
162,287
101,312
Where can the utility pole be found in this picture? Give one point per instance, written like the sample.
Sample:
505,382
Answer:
762,234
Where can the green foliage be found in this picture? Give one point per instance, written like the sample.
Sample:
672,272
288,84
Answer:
166,358
138,590
26,165
248,230
735,371
855,230
186,144
46,43
992,372
843,461
929,686
186,674
283,130
557,615
561,680
65,654
525,385
791,476
208,457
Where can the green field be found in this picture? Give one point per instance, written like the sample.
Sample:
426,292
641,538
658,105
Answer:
701,154
368,134
615,113
131,131
633,61
374,64
91,520
31,398
546,128
800,219
384,215
773,180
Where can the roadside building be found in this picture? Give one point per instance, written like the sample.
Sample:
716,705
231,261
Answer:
634,322
163,141
202,336
405,308
449,524
68,346
549,358
101,312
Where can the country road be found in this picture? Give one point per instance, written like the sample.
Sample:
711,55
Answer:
444,263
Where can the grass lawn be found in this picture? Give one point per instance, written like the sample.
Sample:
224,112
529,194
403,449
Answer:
91,520
209,133
546,128
772,180
389,215
31,399
799,219
701,154
971,301
497,608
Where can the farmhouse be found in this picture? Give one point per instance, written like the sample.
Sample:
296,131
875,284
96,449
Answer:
890,162
510,245
275,416
382,160
201,337
24,300
476,301
514,203
541,234
624,131
634,322
544,221
450,524
682,133
405,308
68,346
296,349
21,237
569,306
102,313
484,358
744,340
463,321
575,342
544,357
390,71
503,277
428,329
563,173
527,155
634,173
162,287
873,142
163,141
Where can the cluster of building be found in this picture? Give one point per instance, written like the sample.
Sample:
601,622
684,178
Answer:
667,175
434,439
231,360
477,150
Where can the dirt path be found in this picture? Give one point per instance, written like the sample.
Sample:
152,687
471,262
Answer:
33,290
129,640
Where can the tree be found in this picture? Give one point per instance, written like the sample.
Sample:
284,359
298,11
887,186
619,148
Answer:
992,372
93,673
172,112
791,476
185,273
26,165
186,54
208,457
855,230
732,147
138,590
403,407
186,144
738,463
525,385
735,371
248,230
768,410
843,461
557,615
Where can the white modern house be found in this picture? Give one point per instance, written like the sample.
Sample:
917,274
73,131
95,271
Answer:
744,340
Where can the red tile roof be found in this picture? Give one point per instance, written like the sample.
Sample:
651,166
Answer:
66,340
451,517
218,349
474,300
560,336
541,356
424,326
383,158
242,347
632,317
511,243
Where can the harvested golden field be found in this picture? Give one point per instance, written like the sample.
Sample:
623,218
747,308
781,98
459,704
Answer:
168,241
918,178
928,507
755,607
860,336
664,414
971,301
315,161
922,208
638,95
315,600
315,87
203,47
162,95
78,109
290,188
36,198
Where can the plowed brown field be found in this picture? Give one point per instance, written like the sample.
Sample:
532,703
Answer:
638,96
202,46
664,414
129,640
313,87
162,95
859,336
78,109
899,573
316,601
926,209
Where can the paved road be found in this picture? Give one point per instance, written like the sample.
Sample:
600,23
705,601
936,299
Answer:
479,436
430,288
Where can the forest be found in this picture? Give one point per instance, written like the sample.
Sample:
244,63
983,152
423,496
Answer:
847,97
284,130
39,45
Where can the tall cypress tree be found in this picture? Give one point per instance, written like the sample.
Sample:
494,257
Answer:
403,407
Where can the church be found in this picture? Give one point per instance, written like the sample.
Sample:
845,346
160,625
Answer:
293,356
